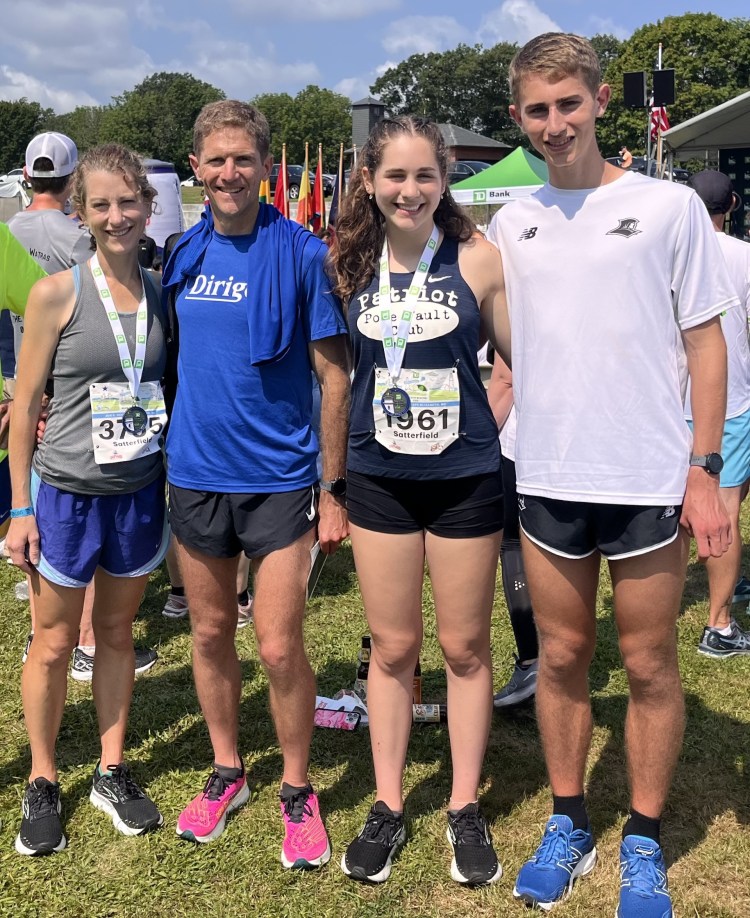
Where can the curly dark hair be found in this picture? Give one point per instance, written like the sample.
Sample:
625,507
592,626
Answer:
360,226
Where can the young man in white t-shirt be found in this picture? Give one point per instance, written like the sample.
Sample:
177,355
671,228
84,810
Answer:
615,288
723,637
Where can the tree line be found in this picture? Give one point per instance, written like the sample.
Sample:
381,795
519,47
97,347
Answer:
466,86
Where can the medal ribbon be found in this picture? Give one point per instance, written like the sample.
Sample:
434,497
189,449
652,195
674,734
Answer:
395,347
132,368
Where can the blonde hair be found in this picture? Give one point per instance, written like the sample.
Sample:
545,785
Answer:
554,56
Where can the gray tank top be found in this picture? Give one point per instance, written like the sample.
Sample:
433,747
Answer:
86,354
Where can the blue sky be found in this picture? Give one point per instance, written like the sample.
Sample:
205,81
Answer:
87,51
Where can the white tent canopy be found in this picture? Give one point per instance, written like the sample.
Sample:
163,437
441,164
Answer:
726,127
13,198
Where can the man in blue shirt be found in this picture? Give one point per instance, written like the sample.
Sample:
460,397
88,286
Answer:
255,313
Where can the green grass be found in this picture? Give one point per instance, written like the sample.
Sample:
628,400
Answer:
101,873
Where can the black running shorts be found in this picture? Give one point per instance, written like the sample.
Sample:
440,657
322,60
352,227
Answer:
223,525
455,508
573,529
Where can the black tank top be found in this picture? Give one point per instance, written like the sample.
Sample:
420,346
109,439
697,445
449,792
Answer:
444,333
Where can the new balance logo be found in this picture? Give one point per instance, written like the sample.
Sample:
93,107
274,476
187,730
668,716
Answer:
528,233
626,228
668,511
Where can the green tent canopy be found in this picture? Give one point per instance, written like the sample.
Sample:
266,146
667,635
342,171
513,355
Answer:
516,176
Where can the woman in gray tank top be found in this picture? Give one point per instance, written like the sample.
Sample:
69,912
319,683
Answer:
89,503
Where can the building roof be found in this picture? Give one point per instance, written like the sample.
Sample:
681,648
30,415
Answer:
724,127
366,101
455,136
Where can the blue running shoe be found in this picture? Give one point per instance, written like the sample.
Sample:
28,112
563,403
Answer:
643,880
742,590
564,855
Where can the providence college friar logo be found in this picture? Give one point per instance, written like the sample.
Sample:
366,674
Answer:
626,228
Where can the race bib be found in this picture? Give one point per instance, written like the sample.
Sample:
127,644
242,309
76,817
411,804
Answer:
431,423
119,434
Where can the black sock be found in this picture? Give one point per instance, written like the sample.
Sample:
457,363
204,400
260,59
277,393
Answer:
230,775
176,591
288,790
243,598
638,824
574,808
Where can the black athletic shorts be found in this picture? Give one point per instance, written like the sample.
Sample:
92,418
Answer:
454,508
573,529
223,525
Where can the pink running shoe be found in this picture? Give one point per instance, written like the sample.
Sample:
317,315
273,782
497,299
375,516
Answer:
204,818
305,841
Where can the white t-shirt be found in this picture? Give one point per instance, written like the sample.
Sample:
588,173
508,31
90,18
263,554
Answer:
734,325
600,283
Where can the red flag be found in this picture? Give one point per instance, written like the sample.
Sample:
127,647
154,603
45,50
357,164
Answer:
305,200
281,195
659,121
318,199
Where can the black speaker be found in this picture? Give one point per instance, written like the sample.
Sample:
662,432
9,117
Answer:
663,87
634,89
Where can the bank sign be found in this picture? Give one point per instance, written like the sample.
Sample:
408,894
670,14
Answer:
492,195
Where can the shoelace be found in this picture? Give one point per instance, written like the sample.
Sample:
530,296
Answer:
555,846
296,807
43,802
381,827
215,786
469,829
643,873
128,787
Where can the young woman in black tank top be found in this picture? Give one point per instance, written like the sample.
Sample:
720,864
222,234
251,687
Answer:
422,477
111,527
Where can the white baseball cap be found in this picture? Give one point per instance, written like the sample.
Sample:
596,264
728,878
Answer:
58,148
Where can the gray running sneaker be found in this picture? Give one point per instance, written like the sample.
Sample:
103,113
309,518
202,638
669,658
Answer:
520,687
82,669
718,645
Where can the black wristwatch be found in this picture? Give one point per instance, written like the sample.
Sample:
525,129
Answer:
337,487
711,462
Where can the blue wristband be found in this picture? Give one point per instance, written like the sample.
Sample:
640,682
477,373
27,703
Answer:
22,511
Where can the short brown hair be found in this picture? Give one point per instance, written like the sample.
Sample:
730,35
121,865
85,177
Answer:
555,56
232,113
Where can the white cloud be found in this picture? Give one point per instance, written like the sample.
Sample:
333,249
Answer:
601,26
515,21
355,88
15,85
422,34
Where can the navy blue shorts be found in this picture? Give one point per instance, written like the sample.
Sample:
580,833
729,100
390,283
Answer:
127,535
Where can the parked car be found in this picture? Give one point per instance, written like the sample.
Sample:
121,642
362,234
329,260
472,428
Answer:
192,182
15,175
294,177
464,168
639,165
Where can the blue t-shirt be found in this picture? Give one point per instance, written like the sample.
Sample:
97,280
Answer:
238,428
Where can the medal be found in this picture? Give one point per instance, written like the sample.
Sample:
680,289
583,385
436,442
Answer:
135,420
395,402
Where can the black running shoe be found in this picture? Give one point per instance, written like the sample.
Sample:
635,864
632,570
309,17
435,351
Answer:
41,830
117,795
474,859
145,657
369,856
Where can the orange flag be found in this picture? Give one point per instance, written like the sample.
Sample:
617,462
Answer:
305,200
319,201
